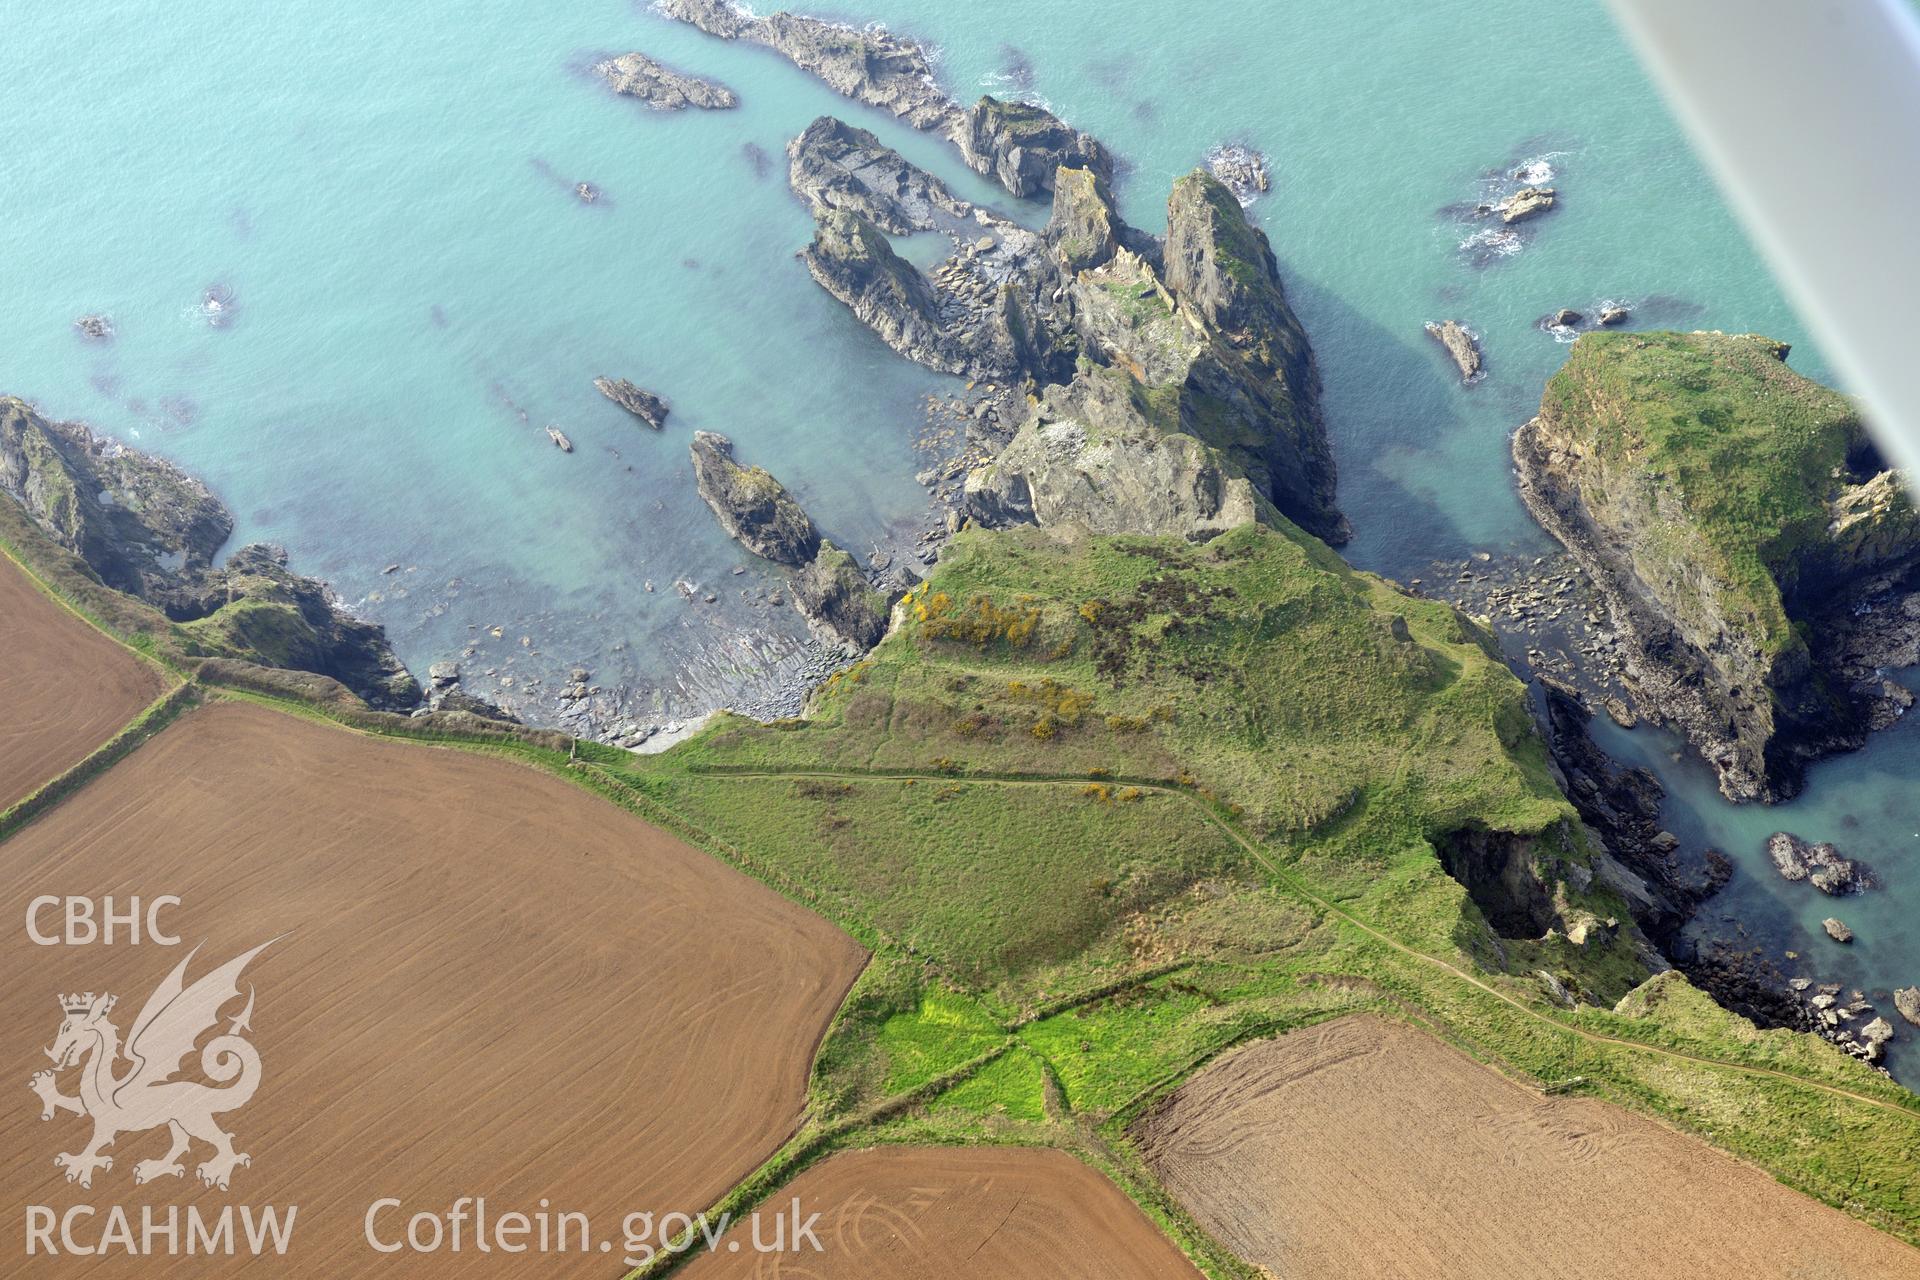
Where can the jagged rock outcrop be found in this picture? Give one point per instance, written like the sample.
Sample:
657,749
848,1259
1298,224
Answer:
1837,929
1907,1001
1022,146
1082,229
1092,454
147,528
1255,394
831,590
1461,345
980,317
1202,325
1819,864
1528,202
834,165
1755,555
137,520
638,401
852,259
1240,169
755,509
758,512
1019,145
869,65
635,75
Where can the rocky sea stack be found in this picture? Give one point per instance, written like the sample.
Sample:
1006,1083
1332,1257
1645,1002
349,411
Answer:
1755,554
757,511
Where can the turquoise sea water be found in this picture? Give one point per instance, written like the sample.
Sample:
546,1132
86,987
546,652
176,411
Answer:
386,192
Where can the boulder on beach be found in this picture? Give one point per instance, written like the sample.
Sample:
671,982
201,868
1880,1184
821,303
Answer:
1873,1038
1460,344
1837,930
635,75
638,401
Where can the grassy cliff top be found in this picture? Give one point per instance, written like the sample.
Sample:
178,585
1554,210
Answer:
1259,668
1742,452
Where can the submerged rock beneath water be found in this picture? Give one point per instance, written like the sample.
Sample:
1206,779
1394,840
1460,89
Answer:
635,75
98,328
218,305
1460,344
638,401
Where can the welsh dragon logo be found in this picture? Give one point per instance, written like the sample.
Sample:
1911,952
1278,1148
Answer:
144,1094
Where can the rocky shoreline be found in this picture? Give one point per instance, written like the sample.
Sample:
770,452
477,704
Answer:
148,529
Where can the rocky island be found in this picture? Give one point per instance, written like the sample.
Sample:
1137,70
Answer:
1754,616
635,75
1461,345
638,401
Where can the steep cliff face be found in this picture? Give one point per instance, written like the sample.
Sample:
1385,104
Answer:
137,521
1740,527
852,259
1257,394
147,528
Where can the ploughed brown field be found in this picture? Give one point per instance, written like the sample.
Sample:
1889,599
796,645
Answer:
491,983
1363,1147
64,687
956,1213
